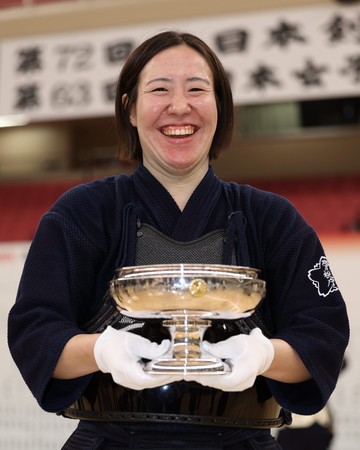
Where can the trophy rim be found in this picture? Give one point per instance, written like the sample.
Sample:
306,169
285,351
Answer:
186,269
177,280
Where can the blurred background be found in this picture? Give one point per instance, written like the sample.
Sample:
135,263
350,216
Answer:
295,73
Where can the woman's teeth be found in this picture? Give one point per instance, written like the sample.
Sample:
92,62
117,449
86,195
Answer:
184,131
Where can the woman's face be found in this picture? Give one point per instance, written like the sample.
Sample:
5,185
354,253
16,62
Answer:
175,113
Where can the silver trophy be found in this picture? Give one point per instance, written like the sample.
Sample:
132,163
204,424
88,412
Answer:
187,297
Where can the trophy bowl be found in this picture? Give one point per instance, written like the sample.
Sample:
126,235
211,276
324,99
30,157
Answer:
187,297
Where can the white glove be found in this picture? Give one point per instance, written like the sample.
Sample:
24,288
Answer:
248,356
119,353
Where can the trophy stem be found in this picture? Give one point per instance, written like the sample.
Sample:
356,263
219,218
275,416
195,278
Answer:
186,355
186,337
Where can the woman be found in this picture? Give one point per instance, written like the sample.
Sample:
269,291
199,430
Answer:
174,114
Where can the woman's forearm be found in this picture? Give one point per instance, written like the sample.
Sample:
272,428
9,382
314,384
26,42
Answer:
287,366
77,358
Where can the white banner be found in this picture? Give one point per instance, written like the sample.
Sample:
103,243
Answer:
281,55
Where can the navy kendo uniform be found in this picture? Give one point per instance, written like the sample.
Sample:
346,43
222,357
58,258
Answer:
119,221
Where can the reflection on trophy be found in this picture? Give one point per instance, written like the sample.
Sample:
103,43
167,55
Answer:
187,297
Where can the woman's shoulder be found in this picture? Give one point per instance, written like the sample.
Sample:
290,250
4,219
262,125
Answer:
91,207
97,193
246,194
100,187
266,210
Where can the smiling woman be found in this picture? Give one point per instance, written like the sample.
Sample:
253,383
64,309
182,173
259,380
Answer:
174,114
176,117
212,77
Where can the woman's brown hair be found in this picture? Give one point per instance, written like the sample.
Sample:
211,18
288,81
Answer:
129,144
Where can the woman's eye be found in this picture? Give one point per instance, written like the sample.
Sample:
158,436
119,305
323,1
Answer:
197,89
159,89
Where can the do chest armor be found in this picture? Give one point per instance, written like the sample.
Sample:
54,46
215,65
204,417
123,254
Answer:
180,402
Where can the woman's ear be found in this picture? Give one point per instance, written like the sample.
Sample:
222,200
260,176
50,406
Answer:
132,115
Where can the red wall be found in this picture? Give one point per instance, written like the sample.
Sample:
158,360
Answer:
15,3
330,205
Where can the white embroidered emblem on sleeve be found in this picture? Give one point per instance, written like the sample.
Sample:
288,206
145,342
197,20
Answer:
322,278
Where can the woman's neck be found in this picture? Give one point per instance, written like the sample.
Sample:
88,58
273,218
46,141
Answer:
180,186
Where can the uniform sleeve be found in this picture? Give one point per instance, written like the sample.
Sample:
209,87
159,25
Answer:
307,309
57,280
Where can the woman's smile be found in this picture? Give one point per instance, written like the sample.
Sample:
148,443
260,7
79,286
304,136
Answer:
179,131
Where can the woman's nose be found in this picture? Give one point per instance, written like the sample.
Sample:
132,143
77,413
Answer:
179,104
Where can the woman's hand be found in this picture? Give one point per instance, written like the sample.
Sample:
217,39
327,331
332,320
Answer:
248,355
120,352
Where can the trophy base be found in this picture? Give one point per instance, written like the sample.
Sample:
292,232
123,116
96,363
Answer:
182,366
